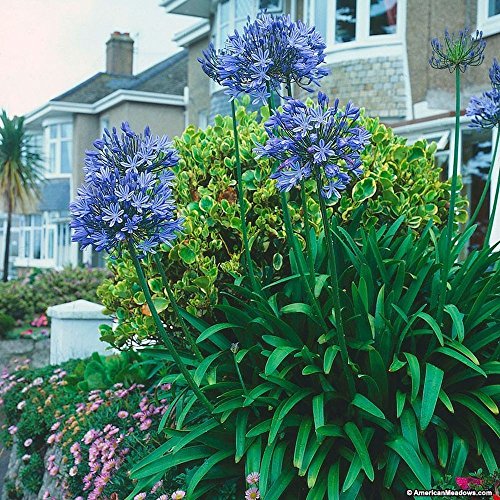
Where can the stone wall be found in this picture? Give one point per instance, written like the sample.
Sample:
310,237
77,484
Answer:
377,84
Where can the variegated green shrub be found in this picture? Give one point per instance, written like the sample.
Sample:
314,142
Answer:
399,180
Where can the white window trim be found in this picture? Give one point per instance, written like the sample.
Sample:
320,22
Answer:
488,25
363,37
46,148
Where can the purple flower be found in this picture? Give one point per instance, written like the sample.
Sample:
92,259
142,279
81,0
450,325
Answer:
495,75
127,195
271,51
485,110
317,140
252,494
458,51
253,478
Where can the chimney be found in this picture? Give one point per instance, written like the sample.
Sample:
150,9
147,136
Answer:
119,54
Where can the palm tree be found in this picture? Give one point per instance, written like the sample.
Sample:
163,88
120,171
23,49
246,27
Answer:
20,173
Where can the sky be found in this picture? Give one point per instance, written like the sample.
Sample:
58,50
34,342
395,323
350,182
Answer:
49,46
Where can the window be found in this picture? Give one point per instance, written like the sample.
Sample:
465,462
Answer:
36,237
232,15
488,16
59,142
354,21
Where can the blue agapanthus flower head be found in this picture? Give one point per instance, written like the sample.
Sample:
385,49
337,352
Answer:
271,51
485,110
495,75
127,195
320,141
458,51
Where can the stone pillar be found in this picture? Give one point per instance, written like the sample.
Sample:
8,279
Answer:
74,331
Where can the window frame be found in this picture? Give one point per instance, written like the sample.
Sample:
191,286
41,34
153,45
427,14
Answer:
363,37
57,141
489,25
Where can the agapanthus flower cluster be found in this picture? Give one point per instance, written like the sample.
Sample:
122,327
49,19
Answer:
271,51
495,75
458,51
127,195
319,141
485,110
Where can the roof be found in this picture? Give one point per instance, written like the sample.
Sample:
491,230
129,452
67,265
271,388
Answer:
166,77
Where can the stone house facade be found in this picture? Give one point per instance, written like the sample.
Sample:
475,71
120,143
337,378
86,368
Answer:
378,53
64,127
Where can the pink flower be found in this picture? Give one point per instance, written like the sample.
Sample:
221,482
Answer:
46,495
157,486
12,430
51,439
38,381
21,405
252,494
253,478
178,495
140,496
122,414
53,471
465,482
73,471
55,426
28,442
146,424
162,497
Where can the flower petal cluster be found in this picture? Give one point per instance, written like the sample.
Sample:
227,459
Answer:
485,110
317,140
458,51
495,75
271,51
127,195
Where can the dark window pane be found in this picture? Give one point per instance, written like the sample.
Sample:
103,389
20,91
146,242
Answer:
383,17
345,21
271,5
494,8
66,157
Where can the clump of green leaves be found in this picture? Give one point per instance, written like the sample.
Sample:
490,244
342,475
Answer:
425,398
7,323
400,179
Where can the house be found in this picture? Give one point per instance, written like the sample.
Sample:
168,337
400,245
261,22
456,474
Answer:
66,126
378,53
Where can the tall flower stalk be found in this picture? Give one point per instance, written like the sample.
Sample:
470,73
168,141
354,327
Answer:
456,53
126,202
321,142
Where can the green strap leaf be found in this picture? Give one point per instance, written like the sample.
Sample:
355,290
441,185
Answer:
301,443
357,440
414,368
215,329
276,357
365,404
406,451
457,319
434,326
204,468
432,386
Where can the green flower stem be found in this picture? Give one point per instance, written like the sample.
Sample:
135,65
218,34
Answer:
164,335
292,240
241,202
497,195
445,269
486,186
332,264
294,244
175,307
307,229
